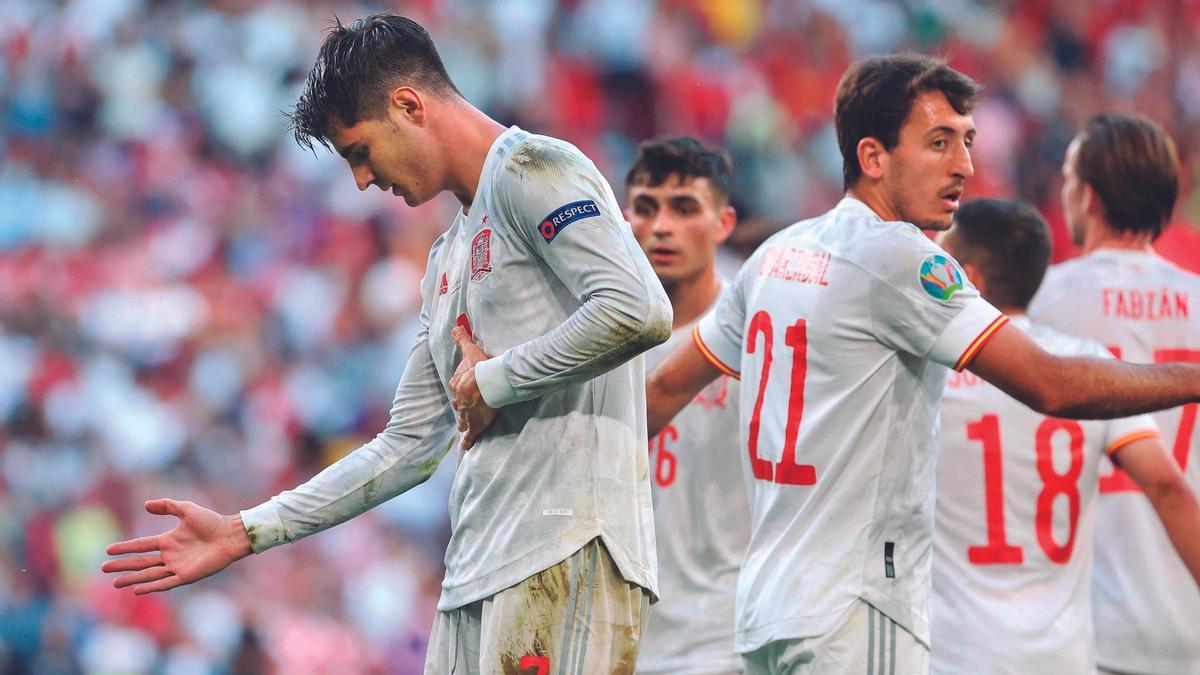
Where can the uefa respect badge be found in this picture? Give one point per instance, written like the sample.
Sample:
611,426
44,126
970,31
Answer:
940,277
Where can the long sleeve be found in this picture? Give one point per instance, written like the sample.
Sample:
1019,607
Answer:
566,213
405,454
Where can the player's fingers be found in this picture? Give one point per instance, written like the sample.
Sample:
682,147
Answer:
140,562
462,422
160,585
139,545
144,576
472,433
459,336
165,507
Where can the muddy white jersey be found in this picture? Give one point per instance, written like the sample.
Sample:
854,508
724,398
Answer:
1147,310
547,276
1012,554
702,524
841,328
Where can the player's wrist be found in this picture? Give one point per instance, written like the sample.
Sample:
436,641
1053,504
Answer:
236,537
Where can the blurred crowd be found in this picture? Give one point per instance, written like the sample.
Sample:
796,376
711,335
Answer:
193,307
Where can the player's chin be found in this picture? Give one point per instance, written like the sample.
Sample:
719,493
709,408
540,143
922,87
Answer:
937,223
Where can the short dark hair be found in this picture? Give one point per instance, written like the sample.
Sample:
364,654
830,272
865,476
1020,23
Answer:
357,66
1132,165
685,157
876,95
1009,242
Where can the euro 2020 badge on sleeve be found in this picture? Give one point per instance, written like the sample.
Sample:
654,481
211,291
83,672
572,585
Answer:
940,277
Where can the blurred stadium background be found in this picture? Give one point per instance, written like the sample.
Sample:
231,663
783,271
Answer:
191,306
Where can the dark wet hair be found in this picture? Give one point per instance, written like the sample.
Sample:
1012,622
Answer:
685,157
876,94
1009,242
357,66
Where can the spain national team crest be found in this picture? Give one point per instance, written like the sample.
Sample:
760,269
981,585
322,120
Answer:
481,255
940,277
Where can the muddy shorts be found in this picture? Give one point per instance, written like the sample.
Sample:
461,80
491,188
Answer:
577,617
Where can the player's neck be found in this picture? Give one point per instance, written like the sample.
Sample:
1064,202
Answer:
691,298
466,139
1100,236
868,194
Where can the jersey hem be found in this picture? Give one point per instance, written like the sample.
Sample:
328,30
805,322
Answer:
512,573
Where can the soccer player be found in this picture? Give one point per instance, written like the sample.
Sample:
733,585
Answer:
840,328
678,202
1016,490
1120,181
550,563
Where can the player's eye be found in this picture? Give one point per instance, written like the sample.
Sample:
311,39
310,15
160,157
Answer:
644,210
939,144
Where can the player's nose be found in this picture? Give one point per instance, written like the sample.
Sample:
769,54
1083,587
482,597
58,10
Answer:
963,166
363,177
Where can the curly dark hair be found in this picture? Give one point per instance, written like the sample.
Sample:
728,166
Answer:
356,67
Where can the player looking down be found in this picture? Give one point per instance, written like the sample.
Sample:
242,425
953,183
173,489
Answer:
551,561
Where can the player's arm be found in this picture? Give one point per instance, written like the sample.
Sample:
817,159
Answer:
623,308
419,433
715,349
1081,387
1148,464
674,383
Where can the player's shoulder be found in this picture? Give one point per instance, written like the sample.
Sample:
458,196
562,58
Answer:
534,157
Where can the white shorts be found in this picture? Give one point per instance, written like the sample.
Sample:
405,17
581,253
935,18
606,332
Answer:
577,617
864,641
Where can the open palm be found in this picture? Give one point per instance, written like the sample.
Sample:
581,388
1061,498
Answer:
202,544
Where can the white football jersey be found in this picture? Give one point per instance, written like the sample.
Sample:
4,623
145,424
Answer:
1147,606
702,524
1012,549
547,276
840,328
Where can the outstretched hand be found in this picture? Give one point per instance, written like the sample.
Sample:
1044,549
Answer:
474,414
202,544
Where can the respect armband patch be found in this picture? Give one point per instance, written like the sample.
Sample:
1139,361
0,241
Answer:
564,215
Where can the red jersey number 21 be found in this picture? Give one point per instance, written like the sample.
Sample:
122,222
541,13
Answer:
786,471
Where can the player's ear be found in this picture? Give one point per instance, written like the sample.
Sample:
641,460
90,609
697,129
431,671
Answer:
405,104
1091,203
726,224
872,157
